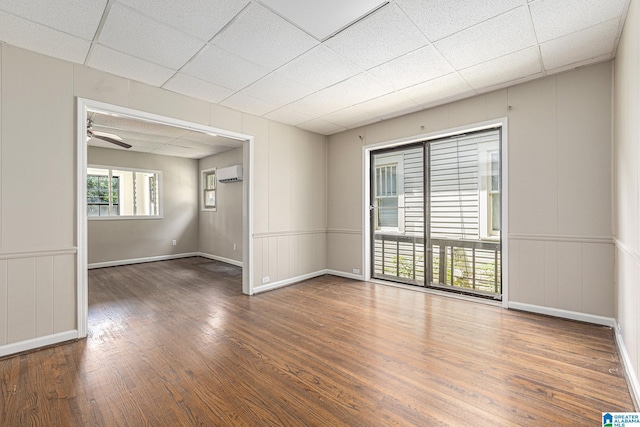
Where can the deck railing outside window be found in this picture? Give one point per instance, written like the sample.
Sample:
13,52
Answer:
472,265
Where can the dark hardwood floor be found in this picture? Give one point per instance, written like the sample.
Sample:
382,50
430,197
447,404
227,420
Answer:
175,343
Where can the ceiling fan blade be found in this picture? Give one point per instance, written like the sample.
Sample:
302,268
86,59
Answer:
108,139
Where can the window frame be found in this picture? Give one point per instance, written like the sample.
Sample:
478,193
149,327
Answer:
111,169
385,160
109,204
492,193
485,170
204,189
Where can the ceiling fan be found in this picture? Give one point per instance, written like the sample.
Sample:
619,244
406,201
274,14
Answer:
108,137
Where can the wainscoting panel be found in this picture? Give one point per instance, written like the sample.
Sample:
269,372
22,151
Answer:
283,256
37,295
4,304
574,275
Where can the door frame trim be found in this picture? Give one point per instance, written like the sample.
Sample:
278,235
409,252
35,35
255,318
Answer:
82,105
366,194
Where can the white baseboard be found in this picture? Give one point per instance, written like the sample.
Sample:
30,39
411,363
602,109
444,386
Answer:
141,260
566,314
629,372
36,343
221,259
162,258
286,282
345,275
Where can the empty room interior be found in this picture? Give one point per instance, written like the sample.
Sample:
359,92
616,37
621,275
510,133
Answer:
277,212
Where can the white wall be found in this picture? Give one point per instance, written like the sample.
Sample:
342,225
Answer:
38,245
305,219
559,195
221,229
290,197
129,239
627,192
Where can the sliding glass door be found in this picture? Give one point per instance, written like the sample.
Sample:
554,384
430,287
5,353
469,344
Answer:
435,214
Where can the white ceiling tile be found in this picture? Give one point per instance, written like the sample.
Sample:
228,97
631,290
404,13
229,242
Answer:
491,39
159,138
189,153
358,89
436,90
264,38
248,104
200,18
553,18
138,127
322,127
319,104
320,67
210,140
286,75
128,31
413,68
197,88
222,68
441,18
288,115
380,37
579,46
38,38
507,68
351,117
78,18
277,89
103,58
511,83
390,105
185,143
141,139
353,91
322,19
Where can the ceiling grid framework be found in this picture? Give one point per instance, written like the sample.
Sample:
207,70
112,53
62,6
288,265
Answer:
368,61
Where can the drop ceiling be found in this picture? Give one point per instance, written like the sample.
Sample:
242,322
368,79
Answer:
324,69
156,138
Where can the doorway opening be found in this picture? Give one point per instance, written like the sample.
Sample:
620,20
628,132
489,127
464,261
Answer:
86,129
436,213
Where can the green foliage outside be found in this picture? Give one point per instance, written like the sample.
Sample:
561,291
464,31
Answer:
98,189
98,194
405,269
461,275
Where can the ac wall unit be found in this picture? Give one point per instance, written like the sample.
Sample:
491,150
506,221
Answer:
230,174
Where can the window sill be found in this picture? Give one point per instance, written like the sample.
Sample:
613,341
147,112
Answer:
122,217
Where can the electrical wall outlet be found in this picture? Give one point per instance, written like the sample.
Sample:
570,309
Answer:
356,271
235,247
174,243
265,279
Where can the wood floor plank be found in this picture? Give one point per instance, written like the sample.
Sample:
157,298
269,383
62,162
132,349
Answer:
176,343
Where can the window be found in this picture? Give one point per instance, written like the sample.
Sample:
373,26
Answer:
122,193
209,190
494,192
99,201
388,194
489,186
